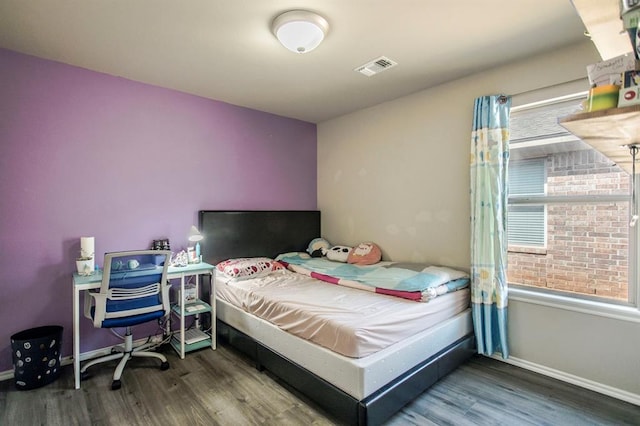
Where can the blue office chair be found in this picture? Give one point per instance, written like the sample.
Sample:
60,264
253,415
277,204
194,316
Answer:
134,290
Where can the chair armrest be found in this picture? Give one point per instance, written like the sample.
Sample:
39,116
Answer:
97,300
166,303
88,303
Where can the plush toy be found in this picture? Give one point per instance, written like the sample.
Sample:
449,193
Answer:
339,253
365,254
318,247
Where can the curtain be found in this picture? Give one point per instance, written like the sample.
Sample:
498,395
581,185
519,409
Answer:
489,193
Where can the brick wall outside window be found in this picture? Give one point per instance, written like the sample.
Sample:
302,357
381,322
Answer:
587,244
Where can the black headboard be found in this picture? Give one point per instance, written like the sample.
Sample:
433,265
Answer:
252,233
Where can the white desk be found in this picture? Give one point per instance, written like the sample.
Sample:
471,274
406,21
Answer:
84,283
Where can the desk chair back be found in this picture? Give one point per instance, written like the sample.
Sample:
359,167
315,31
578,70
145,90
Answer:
134,289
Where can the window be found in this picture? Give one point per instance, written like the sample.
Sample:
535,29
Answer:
568,215
527,224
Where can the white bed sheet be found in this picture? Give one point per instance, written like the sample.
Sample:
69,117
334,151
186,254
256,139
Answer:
358,377
351,322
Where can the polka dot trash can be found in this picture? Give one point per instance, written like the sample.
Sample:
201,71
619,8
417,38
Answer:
36,356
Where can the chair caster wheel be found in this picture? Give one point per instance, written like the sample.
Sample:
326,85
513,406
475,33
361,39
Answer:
115,385
164,366
84,375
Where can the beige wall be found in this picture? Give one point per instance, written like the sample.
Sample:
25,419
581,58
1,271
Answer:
397,174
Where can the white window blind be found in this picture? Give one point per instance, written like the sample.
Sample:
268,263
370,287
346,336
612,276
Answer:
527,177
526,226
526,223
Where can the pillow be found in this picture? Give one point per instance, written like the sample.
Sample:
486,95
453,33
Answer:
449,273
248,267
318,247
365,254
412,266
339,253
296,254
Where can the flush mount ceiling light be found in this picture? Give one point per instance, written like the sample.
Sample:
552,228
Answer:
300,31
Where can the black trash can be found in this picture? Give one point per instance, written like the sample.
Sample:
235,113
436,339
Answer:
36,356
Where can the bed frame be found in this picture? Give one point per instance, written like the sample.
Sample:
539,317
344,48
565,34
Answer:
230,234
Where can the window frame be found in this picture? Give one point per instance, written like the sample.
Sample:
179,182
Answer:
629,310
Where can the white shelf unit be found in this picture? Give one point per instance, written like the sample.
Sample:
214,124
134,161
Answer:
195,309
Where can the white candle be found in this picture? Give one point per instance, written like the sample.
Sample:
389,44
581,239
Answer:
87,247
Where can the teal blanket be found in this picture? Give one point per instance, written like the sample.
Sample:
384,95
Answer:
429,283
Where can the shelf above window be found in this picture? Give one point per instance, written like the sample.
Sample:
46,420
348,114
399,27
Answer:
608,131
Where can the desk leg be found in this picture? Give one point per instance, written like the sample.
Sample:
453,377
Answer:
182,303
197,317
76,336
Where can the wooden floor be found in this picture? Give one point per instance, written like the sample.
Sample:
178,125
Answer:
221,388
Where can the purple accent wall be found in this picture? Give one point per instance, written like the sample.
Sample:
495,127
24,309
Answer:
88,154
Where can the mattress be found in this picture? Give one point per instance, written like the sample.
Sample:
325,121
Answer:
357,377
349,322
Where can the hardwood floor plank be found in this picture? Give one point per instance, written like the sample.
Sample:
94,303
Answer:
503,394
223,388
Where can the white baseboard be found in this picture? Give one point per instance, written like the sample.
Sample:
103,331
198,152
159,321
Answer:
67,360
574,380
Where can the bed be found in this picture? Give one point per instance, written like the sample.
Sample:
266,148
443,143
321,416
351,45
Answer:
356,390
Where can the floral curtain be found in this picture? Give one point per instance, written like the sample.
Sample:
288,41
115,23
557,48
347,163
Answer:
489,193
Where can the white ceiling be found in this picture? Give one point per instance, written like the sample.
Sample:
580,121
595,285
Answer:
224,49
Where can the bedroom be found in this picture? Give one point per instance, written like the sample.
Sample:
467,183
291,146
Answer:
80,148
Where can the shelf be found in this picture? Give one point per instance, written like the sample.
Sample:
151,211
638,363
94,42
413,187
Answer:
193,309
175,342
194,306
608,131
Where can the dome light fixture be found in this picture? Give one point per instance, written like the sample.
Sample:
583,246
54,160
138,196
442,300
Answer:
300,31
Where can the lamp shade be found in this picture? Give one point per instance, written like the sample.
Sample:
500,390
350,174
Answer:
300,31
194,234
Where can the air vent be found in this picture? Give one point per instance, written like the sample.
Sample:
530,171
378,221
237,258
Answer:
376,66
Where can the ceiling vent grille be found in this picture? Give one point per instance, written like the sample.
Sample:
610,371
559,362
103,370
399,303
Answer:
376,66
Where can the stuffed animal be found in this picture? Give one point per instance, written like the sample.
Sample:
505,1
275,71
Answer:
318,247
365,254
339,253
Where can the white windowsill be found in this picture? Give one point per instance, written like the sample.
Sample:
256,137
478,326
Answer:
624,313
